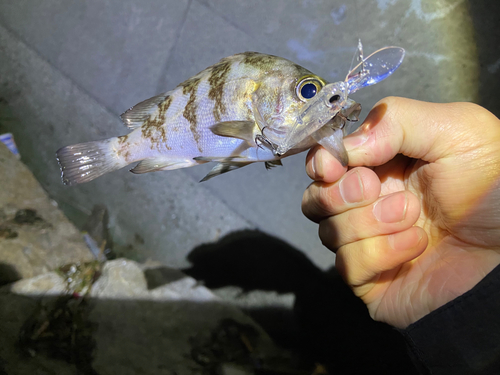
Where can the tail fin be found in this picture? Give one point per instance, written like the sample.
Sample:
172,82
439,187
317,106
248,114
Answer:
84,162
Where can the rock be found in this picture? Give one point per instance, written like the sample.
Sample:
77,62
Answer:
178,327
63,312
35,236
50,283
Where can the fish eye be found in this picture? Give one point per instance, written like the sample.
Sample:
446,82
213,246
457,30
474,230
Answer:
308,87
308,90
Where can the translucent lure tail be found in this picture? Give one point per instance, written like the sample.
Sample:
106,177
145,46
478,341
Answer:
84,162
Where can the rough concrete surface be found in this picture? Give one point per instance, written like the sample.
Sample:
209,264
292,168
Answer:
69,68
86,317
35,236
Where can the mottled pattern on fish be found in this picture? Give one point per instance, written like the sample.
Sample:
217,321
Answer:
247,108
243,93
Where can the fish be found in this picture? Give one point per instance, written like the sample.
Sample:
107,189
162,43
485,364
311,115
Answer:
249,107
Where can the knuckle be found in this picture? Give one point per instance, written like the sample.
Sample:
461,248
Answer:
316,202
324,199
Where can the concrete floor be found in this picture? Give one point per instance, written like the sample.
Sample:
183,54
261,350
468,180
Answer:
68,68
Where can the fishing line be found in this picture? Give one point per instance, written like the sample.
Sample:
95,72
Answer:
356,16
357,57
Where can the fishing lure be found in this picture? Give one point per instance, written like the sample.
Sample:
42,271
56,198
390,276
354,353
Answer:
325,117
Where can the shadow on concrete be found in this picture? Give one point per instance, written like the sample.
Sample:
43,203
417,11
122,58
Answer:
252,260
8,274
156,277
328,324
486,17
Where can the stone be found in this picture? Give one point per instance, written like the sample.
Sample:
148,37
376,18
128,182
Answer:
35,236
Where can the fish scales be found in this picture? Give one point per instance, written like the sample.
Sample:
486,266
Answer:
208,98
238,111
176,131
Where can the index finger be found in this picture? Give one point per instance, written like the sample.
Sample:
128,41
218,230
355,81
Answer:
323,166
421,130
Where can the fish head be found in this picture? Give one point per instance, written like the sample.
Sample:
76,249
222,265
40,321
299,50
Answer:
311,104
332,101
337,114
281,99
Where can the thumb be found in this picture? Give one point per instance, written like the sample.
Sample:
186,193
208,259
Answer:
420,130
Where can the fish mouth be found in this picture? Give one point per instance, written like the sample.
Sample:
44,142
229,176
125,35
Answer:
346,119
315,114
331,108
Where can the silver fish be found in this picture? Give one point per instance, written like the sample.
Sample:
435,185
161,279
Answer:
249,107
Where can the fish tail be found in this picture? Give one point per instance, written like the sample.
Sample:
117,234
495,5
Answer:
84,162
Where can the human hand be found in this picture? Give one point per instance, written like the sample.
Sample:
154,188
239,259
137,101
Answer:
423,226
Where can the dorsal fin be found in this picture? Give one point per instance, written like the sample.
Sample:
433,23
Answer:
135,116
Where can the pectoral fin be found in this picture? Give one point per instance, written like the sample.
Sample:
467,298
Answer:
245,130
333,141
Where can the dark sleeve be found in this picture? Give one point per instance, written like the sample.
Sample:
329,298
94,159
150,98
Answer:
461,337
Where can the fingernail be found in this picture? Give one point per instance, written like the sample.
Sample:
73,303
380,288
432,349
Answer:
404,240
391,209
317,163
351,188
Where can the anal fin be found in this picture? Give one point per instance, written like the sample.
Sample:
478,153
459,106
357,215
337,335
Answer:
161,164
